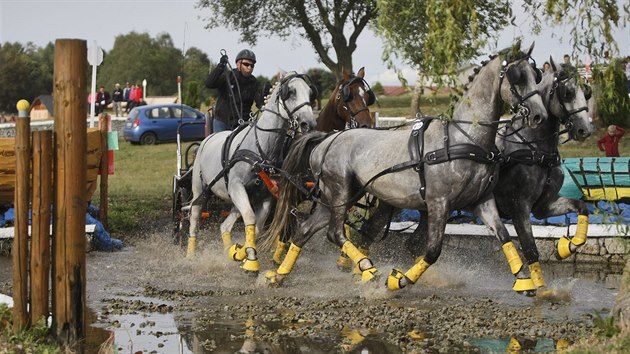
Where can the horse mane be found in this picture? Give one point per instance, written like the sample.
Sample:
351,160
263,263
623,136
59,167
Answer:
329,110
510,54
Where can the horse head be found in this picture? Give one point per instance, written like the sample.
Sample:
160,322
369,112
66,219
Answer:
519,89
352,98
294,96
566,99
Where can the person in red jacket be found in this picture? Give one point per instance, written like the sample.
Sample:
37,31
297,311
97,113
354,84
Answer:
610,142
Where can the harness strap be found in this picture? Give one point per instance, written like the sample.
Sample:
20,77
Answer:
531,158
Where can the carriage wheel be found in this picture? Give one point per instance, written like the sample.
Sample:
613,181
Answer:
180,218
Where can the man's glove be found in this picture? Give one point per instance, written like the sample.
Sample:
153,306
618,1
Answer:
224,60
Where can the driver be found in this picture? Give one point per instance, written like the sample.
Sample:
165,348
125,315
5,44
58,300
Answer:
237,90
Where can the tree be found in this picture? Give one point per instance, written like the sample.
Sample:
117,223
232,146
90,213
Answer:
192,94
196,68
322,23
612,94
25,73
137,56
437,36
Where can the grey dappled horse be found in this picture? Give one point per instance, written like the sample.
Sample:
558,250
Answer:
228,163
347,108
452,166
530,176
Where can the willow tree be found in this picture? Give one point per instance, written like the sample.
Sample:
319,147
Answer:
436,36
331,27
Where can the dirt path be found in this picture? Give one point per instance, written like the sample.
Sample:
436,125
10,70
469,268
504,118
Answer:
156,300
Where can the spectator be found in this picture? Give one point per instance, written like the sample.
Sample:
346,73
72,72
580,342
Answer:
126,92
102,100
546,66
117,97
610,142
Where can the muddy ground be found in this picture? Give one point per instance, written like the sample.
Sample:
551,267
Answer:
149,298
156,300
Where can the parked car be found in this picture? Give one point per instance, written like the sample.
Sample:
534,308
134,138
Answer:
148,125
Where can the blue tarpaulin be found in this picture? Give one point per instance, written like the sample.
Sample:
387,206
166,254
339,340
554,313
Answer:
102,240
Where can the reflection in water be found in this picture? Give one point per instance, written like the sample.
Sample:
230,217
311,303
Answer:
514,345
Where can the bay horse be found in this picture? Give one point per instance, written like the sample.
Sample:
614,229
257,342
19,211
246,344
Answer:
530,175
228,163
450,164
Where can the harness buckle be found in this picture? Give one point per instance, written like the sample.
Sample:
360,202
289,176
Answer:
294,211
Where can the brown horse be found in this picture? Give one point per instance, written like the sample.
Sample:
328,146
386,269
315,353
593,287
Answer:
348,104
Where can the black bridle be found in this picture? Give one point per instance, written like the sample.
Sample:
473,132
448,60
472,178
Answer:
342,100
559,86
519,108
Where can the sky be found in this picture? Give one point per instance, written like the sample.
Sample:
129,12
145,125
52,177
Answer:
43,21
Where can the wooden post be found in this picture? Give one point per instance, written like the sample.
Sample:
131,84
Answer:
40,241
20,240
103,125
70,133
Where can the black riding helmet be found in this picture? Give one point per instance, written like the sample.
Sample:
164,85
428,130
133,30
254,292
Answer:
246,54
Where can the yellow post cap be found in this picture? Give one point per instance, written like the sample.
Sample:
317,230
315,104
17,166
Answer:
23,105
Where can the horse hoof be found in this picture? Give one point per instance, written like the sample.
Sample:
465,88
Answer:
251,265
272,279
525,287
344,263
563,249
396,280
236,252
369,275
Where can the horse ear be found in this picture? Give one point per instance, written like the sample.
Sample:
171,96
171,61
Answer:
361,73
552,63
531,49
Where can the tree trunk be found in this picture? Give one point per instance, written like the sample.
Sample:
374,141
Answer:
417,93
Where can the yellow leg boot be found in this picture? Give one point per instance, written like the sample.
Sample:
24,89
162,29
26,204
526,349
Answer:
368,271
275,277
356,270
536,273
567,247
516,264
192,245
277,255
397,280
227,240
250,262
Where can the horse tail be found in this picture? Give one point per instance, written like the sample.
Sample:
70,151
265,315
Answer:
295,164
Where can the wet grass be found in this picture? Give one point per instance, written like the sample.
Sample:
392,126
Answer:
37,339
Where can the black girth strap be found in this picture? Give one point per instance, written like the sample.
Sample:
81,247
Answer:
531,158
416,149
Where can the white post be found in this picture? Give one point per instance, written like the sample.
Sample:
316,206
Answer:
179,90
144,90
93,88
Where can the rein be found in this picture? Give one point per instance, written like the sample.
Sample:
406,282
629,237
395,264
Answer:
260,162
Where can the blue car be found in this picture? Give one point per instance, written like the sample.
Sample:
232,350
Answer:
148,125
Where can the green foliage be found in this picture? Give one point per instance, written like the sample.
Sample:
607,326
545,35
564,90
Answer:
438,36
137,56
606,326
324,80
37,339
613,103
377,88
323,23
25,73
192,95
196,68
